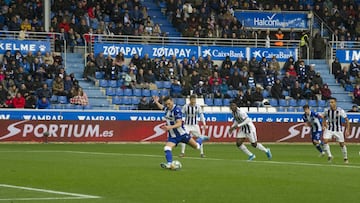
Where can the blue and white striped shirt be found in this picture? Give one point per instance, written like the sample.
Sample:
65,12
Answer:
171,116
313,119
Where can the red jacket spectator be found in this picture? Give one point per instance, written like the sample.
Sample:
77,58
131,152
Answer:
19,101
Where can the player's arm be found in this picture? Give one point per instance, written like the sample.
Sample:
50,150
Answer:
347,126
178,123
156,101
246,121
202,117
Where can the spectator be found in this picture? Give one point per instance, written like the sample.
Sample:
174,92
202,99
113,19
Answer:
325,92
44,91
176,89
235,81
130,79
316,91
336,68
277,90
143,104
3,95
9,102
43,103
354,68
80,99
318,80
356,94
258,97
19,101
319,46
344,77
216,90
58,87
354,109
296,92
307,91
241,100
304,44
201,90
149,77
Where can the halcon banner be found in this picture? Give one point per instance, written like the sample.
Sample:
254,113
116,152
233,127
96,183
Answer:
129,131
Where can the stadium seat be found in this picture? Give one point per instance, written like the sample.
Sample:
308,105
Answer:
128,92
299,109
159,84
209,101
226,102
312,103
126,100
154,92
290,109
79,107
265,94
320,109
167,84
116,100
283,102
70,106
301,102
99,75
285,93
180,101
120,83
218,102
62,99
59,106
230,93
49,82
119,92
321,103
135,100
137,92
54,98
113,83
103,83
145,93
292,102
274,102
88,107
281,109
164,92
110,91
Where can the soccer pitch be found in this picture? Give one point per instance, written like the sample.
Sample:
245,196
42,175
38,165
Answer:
131,173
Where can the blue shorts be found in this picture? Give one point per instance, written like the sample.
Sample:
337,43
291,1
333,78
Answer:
316,136
183,138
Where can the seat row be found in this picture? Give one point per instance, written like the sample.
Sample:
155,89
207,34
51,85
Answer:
136,92
297,103
134,100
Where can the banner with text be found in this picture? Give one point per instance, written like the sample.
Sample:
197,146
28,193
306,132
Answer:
281,54
129,131
273,20
24,46
348,55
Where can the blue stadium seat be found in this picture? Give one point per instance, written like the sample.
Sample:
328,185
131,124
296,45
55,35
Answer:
167,84
209,101
99,75
110,91
145,93
299,109
290,109
285,93
301,102
62,99
49,82
283,102
128,92
218,102
164,92
113,83
59,106
292,102
312,103
88,106
154,92
126,100
320,109
120,83
137,92
321,103
226,102
265,94
180,101
159,84
103,83
280,109
135,100
70,106
230,93
117,100
54,98
79,107
274,102
119,92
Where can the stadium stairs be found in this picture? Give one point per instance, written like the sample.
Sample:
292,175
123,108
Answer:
344,99
97,99
156,12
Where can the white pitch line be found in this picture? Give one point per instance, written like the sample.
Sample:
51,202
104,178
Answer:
197,158
76,195
41,198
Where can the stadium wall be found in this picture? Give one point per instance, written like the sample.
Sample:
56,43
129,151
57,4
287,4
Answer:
124,126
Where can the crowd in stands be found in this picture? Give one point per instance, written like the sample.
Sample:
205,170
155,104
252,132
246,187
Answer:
36,81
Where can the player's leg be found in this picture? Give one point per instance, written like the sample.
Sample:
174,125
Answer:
327,138
242,147
253,140
182,149
316,139
195,132
168,154
340,138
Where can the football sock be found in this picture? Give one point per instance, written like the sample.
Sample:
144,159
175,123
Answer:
168,154
261,147
202,149
182,145
245,150
327,150
318,147
344,151
199,141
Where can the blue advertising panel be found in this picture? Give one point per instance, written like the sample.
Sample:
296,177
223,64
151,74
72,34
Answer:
24,46
92,115
273,20
219,53
282,54
347,55
154,51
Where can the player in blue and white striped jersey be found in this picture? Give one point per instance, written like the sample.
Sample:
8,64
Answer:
334,128
176,130
312,119
247,130
192,112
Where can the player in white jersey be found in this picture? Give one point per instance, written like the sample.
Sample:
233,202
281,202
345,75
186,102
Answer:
176,131
247,130
192,111
333,128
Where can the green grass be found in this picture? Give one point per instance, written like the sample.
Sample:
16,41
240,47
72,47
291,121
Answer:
131,173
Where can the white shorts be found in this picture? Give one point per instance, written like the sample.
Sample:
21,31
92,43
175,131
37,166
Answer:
194,130
338,135
251,136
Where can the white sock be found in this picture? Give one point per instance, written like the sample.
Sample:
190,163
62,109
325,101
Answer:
182,145
202,149
344,151
261,147
327,150
245,150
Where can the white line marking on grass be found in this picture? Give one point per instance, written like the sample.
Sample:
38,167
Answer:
197,158
74,195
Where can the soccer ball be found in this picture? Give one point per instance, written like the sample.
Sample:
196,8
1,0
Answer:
176,165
